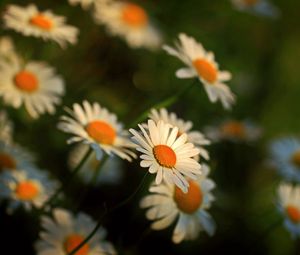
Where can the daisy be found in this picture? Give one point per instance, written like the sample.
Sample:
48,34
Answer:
96,126
289,206
33,84
14,157
167,204
167,154
259,7
6,128
85,4
195,137
285,155
201,64
110,172
31,22
130,21
64,232
27,188
7,50
234,130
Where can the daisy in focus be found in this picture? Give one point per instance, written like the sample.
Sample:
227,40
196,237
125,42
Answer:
289,206
201,64
29,21
33,84
85,4
234,130
195,137
6,129
258,7
167,154
64,232
94,125
168,203
285,155
26,188
129,21
110,172
14,157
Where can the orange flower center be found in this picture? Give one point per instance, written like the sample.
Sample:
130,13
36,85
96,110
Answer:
296,158
206,70
293,213
7,162
250,2
164,155
101,132
135,16
233,128
26,81
189,202
26,190
41,21
72,241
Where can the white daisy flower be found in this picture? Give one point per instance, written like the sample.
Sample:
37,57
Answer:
168,203
285,155
85,4
33,84
6,128
31,22
166,154
14,157
258,7
96,126
64,232
7,50
195,137
289,206
201,63
27,188
110,172
234,130
130,21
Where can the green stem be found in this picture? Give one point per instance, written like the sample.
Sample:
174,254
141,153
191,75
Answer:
62,186
99,223
165,103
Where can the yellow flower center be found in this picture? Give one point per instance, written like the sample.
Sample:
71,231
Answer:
189,202
135,16
250,2
7,162
206,70
26,190
293,213
72,241
26,81
296,158
41,21
101,132
164,155
234,129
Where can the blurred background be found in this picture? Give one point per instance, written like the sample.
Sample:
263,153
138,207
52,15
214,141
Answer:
262,53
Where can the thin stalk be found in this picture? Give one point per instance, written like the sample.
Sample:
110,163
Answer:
99,223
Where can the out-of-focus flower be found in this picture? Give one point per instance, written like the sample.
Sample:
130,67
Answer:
167,202
6,129
31,22
85,4
7,50
64,232
110,172
129,21
28,188
165,153
258,7
33,84
14,157
289,206
195,137
201,64
285,155
96,126
234,130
